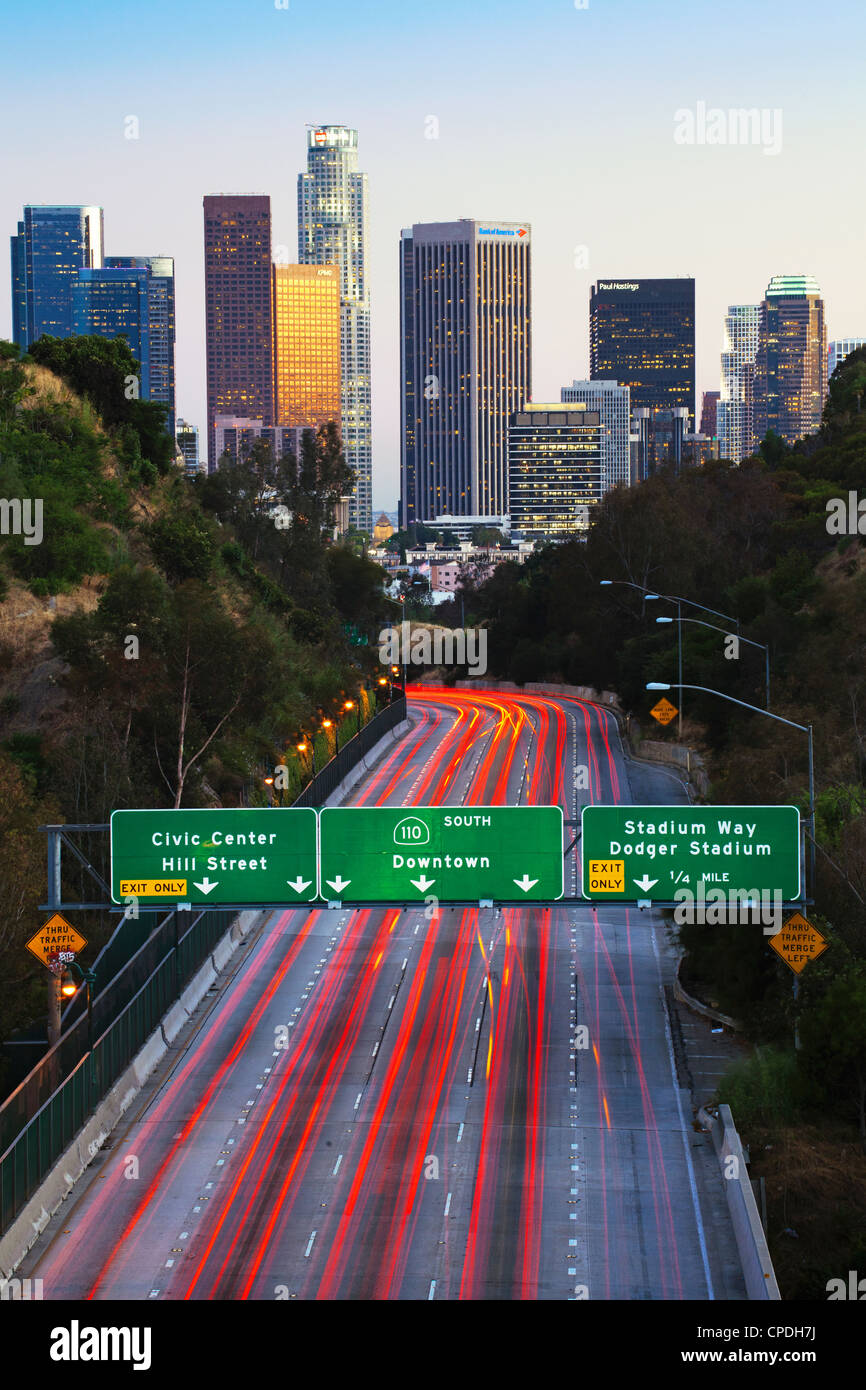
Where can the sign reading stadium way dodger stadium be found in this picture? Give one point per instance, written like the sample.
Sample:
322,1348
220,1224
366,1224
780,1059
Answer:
453,853
652,852
243,855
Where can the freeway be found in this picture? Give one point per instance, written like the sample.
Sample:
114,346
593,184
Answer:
430,1104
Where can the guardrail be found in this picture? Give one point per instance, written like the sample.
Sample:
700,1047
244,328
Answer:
317,791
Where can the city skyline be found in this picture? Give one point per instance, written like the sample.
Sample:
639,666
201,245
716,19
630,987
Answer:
665,214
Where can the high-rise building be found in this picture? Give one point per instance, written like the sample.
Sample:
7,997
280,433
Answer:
234,436
642,334
238,309
187,442
660,440
612,403
465,359
307,384
52,244
332,230
709,413
161,324
555,470
791,365
735,411
113,303
839,349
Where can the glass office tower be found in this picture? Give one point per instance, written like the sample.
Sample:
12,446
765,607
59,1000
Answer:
114,304
332,230
791,364
238,309
161,325
736,426
642,334
465,364
307,383
52,244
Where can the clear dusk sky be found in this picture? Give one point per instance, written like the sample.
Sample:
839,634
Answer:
557,116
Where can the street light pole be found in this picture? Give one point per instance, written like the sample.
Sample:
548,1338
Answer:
804,728
748,640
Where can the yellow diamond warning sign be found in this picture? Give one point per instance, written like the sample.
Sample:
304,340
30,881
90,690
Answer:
54,936
607,875
664,711
798,942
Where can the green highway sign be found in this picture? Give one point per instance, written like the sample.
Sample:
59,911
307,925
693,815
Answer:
243,855
650,852
459,853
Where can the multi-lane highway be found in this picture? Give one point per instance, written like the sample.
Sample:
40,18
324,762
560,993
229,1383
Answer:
425,1104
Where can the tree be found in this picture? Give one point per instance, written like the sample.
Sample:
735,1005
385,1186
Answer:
833,1041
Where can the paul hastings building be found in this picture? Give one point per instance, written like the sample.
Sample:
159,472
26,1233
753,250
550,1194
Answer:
465,299
642,334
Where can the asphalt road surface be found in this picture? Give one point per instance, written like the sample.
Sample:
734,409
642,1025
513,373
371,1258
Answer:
384,1104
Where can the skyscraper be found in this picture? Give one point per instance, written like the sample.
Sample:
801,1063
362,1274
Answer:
611,401
160,321
465,359
307,385
642,334
113,303
52,244
735,413
710,413
238,309
555,470
332,230
839,349
791,365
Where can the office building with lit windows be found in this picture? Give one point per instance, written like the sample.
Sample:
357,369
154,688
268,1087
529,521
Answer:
613,405
555,470
465,364
238,309
186,438
791,363
113,303
161,325
839,349
332,231
642,335
307,383
51,245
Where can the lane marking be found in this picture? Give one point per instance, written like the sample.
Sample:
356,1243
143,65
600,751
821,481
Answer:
337,1165
309,1246
448,1204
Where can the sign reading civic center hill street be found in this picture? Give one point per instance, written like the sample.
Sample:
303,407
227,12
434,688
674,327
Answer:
454,853
233,855
649,852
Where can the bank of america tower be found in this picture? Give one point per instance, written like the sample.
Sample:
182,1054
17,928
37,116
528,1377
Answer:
332,230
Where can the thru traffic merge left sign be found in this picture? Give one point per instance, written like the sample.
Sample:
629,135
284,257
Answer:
55,938
798,942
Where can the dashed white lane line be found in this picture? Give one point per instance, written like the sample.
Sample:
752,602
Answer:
309,1246
460,1133
448,1204
432,1292
337,1165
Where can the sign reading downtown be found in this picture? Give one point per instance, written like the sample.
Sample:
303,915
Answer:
244,855
650,852
453,853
